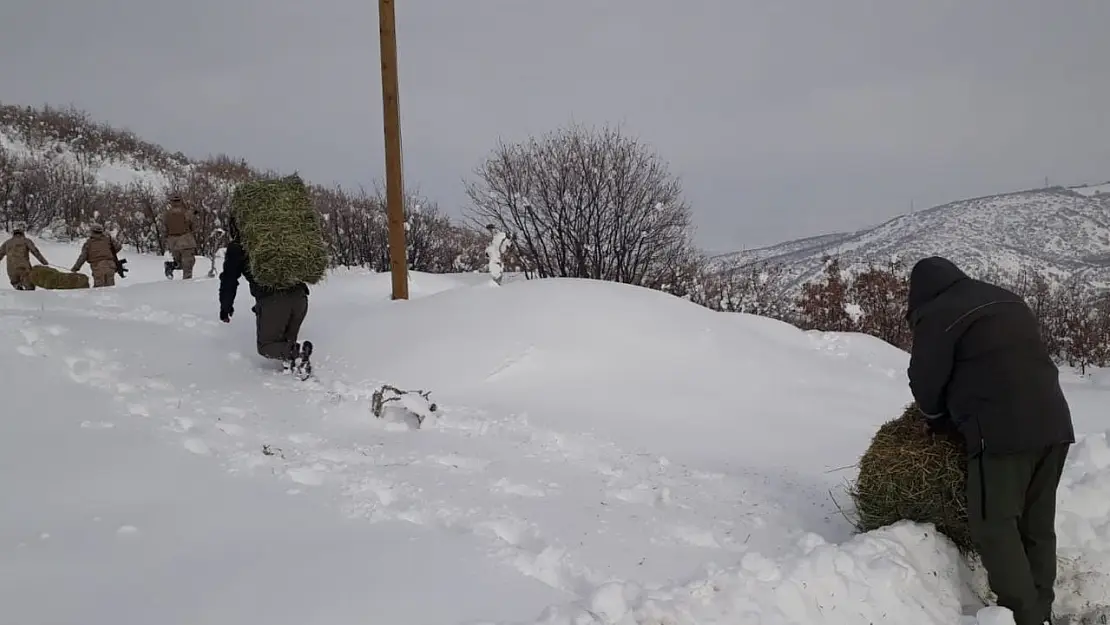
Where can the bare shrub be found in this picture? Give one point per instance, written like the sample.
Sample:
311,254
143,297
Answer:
584,204
1074,318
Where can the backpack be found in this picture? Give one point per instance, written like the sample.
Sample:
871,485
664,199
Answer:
281,232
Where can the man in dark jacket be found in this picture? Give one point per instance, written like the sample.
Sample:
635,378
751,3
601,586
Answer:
279,313
979,365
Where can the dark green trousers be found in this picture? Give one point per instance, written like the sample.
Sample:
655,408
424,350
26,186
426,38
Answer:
278,322
1012,515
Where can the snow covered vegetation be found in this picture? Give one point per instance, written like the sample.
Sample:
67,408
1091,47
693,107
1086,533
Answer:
601,454
577,418
1059,233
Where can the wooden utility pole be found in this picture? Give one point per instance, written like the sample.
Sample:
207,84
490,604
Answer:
394,174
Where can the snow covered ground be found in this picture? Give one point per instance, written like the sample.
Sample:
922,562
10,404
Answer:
601,454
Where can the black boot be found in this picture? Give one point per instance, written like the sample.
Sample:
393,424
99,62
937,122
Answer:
292,356
169,265
302,365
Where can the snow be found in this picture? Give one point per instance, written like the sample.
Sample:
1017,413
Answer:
599,454
105,171
1092,190
1059,233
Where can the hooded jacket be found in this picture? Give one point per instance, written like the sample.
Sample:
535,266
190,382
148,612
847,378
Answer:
979,360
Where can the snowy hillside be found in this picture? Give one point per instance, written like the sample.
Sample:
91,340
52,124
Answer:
1058,232
114,167
601,454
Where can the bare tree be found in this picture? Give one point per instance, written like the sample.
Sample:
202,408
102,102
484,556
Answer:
585,204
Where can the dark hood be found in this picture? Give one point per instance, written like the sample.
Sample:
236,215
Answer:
931,277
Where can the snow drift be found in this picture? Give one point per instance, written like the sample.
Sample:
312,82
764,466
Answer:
604,454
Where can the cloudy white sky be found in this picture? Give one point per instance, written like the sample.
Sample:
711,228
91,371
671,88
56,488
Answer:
783,118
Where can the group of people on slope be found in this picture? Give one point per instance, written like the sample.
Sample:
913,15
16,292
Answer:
101,250
279,313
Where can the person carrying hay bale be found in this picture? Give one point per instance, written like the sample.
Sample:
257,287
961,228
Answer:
277,244
978,366
101,252
18,250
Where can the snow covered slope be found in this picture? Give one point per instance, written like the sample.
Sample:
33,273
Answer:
1059,232
602,454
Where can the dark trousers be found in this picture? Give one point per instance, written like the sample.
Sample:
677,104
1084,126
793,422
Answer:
278,320
1012,515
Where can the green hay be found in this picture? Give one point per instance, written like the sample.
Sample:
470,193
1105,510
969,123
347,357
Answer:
281,232
50,278
908,473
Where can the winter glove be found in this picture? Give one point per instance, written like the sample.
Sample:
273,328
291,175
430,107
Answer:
941,426
226,313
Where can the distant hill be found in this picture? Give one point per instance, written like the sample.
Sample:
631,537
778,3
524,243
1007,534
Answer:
1059,231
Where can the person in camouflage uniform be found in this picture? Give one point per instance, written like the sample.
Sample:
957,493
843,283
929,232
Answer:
180,238
18,250
100,251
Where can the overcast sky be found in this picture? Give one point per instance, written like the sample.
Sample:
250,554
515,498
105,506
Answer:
784,119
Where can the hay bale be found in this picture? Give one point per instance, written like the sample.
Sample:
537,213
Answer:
50,278
280,231
909,473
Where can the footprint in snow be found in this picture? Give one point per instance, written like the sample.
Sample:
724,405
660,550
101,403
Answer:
97,425
138,410
30,335
197,446
230,429
157,385
460,462
522,490
308,476
382,490
695,536
182,424
92,371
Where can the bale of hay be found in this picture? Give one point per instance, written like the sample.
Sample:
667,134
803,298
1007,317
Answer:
45,277
280,231
909,473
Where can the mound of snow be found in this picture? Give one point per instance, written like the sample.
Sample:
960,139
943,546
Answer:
601,454
727,390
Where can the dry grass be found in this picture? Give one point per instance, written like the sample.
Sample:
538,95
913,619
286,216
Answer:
281,232
50,278
909,473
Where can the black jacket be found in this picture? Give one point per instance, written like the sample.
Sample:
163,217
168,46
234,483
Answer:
236,264
979,360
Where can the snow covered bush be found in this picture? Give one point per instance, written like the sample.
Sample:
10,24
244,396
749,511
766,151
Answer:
911,474
871,301
824,304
